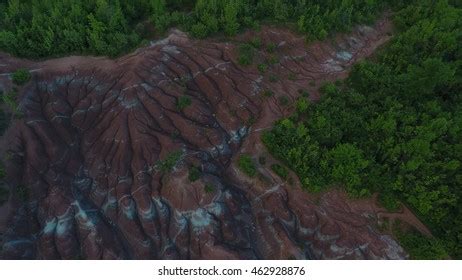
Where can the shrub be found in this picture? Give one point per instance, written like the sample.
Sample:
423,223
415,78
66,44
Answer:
262,68
246,53
302,105
209,188
21,76
170,161
199,30
271,47
10,100
256,43
194,174
183,102
246,165
273,60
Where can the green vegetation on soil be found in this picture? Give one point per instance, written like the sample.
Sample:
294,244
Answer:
280,170
9,98
246,53
183,102
21,76
247,165
209,188
194,174
169,162
393,127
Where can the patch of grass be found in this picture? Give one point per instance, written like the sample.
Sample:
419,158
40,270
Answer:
280,170
21,77
262,68
246,53
312,83
169,162
194,174
247,166
183,102
9,99
256,43
272,60
271,47
209,188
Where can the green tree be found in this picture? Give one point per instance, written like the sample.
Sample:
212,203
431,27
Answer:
231,24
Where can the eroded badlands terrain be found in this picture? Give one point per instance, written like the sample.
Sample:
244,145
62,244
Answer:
95,134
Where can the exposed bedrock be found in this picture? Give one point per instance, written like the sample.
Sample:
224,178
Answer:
97,134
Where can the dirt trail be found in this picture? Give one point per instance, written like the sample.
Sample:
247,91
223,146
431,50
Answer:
96,133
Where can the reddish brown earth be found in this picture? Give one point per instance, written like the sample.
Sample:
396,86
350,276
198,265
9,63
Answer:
94,130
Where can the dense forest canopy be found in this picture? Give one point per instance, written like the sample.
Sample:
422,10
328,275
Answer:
393,127
47,27
43,28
